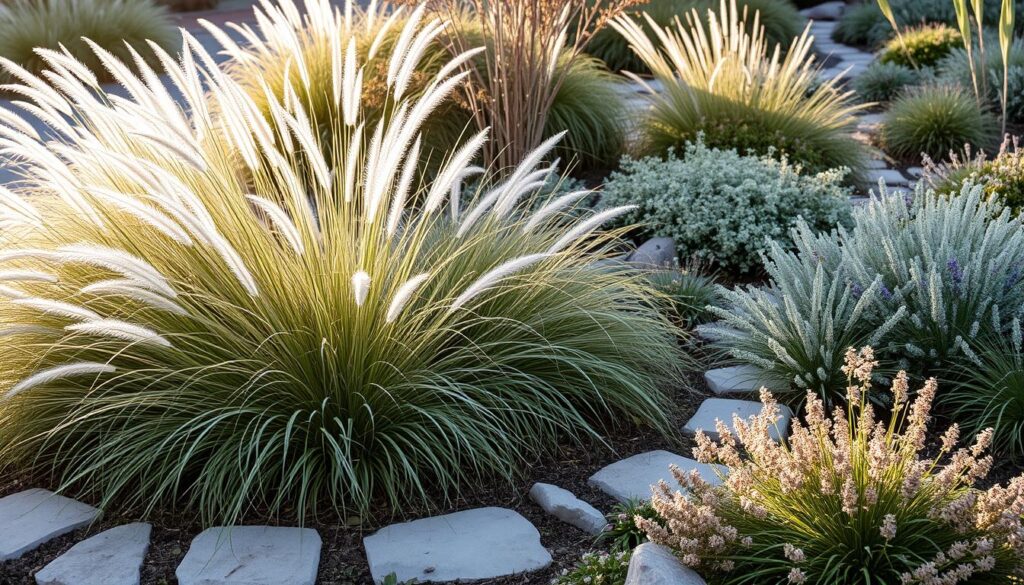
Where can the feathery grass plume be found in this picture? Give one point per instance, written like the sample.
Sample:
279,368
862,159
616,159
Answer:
308,50
935,120
115,25
289,353
850,499
920,280
780,18
728,84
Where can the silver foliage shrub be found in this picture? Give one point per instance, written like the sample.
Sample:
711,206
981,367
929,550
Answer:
920,278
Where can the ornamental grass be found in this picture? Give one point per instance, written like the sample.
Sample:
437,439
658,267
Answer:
202,309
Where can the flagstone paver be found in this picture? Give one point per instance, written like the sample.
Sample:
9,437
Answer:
734,380
112,557
723,409
483,543
632,478
251,555
33,517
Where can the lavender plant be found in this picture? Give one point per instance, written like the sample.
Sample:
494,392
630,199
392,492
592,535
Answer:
200,308
849,499
919,279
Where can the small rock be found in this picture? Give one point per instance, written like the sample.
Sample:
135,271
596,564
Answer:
251,555
743,379
653,564
655,253
632,478
33,517
483,543
826,11
723,409
564,505
915,172
112,557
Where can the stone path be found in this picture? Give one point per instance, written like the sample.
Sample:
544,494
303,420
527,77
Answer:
632,478
33,517
251,555
112,557
483,543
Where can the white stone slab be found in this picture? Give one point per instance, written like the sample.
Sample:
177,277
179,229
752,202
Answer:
564,505
251,555
723,409
33,517
892,177
112,557
654,564
876,163
483,543
734,380
632,478
825,11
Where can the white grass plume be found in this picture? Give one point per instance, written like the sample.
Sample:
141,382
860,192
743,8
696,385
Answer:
129,289
360,287
58,373
51,307
496,275
554,207
122,330
118,261
583,228
403,295
26,276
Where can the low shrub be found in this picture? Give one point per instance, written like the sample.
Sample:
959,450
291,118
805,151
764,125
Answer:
622,532
1002,176
935,120
113,25
863,24
185,324
723,207
688,291
882,82
919,280
725,86
851,499
596,568
989,392
922,46
780,19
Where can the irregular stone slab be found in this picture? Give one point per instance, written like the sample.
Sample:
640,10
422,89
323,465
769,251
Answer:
875,163
251,555
632,478
743,379
33,517
723,409
891,177
653,564
825,11
655,253
564,505
915,172
112,557
483,543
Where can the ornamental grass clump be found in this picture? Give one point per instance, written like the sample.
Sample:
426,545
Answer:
920,280
200,308
935,120
852,499
75,25
726,83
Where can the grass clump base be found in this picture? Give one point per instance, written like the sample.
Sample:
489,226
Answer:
849,499
202,309
936,120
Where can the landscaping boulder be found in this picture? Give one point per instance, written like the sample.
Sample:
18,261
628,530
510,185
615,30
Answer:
653,564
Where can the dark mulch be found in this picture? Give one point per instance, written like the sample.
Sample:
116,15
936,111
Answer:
343,560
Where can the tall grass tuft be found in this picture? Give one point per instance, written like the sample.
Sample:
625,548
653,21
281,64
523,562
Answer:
936,120
193,317
26,25
731,86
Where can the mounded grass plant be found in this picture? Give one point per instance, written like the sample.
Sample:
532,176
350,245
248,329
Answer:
883,82
114,25
780,18
858,498
587,105
935,120
688,291
721,207
920,280
185,323
724,83
922,46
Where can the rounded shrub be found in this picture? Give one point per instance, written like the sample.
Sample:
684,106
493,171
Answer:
920,280
588,104
922,46
729,87
857,498
1001,177
113,25
882,82
780,19
934,120
184,323
723,207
